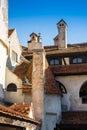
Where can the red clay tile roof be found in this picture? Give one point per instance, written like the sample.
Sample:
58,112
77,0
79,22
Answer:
74,117
21,70
10,31
51,85
53,50
21,108
69,50
13,114
69,69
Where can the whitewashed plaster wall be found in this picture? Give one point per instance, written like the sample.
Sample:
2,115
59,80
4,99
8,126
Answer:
3,57
4,20
14,45
13,96
73,85
53,111
19,96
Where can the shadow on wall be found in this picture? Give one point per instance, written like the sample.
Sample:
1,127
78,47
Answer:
1,92
9,64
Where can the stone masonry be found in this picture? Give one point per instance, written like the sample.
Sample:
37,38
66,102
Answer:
38,82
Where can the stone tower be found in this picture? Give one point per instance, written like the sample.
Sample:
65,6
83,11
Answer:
61,39
4,20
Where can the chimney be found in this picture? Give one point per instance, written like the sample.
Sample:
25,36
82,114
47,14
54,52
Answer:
61,39
33,41
38,81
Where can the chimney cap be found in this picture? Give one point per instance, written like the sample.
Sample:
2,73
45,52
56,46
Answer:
61,21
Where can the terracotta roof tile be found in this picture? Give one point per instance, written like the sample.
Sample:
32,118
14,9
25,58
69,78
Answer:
14,114
21,108
29,72
52,50
21,70
68,50
69,69
74,117
51,85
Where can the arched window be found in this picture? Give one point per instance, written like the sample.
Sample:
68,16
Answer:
12,87
83,92
62,87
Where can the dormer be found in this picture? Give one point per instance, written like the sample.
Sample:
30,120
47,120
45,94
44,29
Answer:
61,39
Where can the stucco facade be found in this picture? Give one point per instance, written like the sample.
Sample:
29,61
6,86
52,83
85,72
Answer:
4,20
3,42
72,99
12,96
15,50
3,53
53,111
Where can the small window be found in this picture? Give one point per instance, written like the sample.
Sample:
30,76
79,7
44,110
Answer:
79,60
33,38
76,60
51,62
54,62
12,87
14,56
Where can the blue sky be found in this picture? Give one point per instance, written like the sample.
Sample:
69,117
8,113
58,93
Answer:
29,16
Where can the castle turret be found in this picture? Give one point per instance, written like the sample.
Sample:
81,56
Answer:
61,39
4,20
